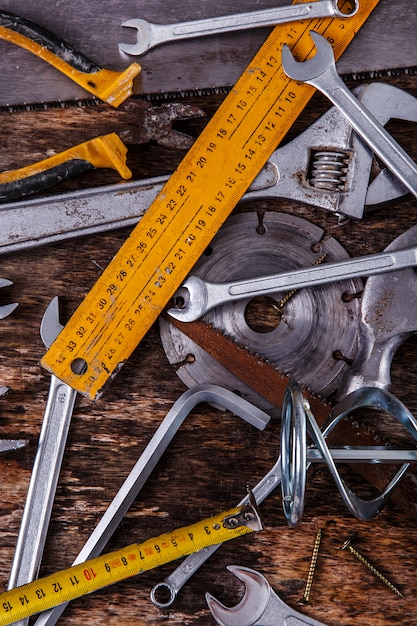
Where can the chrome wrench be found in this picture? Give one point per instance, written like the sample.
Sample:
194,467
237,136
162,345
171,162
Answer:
51,219
150,35
147,462
199,296
260,606
46,468
320,72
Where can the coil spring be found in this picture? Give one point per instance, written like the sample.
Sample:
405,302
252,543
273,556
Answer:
329,170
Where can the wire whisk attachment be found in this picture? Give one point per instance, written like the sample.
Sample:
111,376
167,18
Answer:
296,456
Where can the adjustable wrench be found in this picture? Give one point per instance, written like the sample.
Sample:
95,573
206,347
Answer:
259,606
40,221
150,35
320,71
47,465
200,296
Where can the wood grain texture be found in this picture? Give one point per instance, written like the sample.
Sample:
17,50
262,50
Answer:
214,455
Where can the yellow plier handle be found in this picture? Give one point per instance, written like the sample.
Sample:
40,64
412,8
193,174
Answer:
110,86
106,151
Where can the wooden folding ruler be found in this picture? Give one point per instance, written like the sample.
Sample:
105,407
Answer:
185,216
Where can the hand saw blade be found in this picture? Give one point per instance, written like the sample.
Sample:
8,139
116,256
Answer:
195,66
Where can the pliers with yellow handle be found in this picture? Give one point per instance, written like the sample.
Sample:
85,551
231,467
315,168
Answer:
112,87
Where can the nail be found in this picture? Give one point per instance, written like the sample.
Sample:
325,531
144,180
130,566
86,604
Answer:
306,596
347,546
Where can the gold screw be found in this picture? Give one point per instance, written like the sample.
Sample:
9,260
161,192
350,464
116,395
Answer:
347,545
306,596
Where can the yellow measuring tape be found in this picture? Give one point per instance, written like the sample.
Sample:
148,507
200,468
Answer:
107,569
151,265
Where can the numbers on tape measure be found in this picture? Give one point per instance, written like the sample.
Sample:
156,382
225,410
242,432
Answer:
183,219
105,570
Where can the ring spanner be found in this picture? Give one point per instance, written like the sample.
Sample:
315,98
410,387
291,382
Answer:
150,35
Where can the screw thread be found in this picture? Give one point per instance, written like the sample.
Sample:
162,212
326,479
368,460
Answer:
371,568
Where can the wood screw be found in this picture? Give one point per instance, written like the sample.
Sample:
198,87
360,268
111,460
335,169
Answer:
347,546
306,596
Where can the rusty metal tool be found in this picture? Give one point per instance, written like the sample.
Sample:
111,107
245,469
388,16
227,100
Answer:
151,123
150,35
46,468
6,309
147,462
259,606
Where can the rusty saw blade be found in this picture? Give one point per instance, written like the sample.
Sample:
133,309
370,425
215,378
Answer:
195,66
270,384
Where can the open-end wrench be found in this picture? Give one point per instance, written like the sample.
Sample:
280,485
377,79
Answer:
40,221
6,309
199,296
320,71
46,468
260,606
147,462
150,35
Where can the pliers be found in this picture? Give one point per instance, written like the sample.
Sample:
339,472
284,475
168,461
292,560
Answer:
114,88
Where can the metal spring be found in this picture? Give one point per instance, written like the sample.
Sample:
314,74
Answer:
329,170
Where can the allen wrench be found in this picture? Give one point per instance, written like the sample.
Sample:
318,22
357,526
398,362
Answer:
147,462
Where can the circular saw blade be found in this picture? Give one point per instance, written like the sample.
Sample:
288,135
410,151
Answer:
299,333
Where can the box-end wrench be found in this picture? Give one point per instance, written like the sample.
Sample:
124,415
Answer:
46,468
320,72
147,462
198,296
150,35
51,219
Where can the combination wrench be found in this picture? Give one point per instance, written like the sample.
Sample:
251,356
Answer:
46,468
320,72
198,296
150,35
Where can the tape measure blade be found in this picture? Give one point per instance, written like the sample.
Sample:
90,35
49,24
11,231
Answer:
194,203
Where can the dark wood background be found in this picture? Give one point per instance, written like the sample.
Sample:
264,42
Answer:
214,455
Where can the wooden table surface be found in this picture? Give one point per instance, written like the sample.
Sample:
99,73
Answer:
214,455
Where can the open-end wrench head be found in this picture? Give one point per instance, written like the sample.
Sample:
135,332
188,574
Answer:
50,325
6,309
251,607
143,37
310,69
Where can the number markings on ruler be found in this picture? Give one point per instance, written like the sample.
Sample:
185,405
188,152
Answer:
194,203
